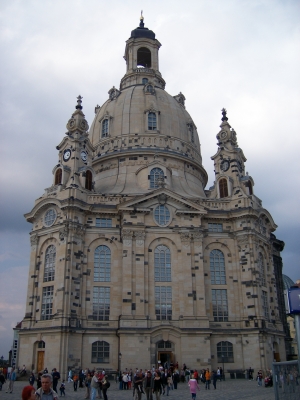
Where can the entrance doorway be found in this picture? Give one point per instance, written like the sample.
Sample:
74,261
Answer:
165,357
40,360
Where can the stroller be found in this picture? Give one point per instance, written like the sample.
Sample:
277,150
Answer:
268,381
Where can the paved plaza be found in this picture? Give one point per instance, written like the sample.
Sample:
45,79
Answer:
232,389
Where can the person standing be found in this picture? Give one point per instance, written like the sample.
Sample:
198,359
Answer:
56,378
207,379
94,386
46,392
75,382
88,385
214,378
259,378
105,386
138,384
31,379
12,378
193,386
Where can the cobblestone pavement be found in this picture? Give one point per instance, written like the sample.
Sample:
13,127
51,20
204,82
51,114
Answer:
229,390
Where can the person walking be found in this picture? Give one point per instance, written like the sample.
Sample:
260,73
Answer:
94,386
157,385
55,378
193,386
105,386
2,380
259,378
62,388
148,385
12,378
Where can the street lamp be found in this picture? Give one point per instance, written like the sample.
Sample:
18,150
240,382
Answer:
223,368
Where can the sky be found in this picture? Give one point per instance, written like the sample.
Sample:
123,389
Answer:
243,55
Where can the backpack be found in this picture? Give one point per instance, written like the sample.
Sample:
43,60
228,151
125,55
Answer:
107,384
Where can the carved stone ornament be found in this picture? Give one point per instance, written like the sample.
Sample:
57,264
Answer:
127,237
63,233
140,238
113,93
34,240
197,235
243,240
185,238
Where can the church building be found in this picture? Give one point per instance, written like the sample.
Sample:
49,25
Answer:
133,261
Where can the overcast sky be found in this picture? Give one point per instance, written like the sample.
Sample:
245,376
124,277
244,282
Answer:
243,55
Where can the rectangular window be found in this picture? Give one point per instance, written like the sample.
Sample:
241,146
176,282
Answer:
47,302
103,222
220,305
215,227
101,303
265,304
163,303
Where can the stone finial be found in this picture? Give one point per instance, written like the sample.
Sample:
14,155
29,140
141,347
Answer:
141,20
224,112
79,101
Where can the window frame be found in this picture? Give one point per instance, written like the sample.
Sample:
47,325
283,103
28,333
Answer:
215,227
163,303
104,350
217,267
225,348
223,188
58,177
101,307
47,303
162,265
103,270
154,174
219,301
49,268
104,128
50,217
162,215
103,222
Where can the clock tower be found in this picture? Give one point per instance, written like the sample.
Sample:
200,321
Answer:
74,168
229,160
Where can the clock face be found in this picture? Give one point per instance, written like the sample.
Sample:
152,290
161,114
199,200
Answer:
225,165
67,154
223,135
83,156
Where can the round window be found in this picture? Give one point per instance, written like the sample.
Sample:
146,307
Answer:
162,215
50,217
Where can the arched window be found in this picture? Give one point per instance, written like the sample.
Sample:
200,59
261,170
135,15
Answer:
155,173
88,180
225,352
100,352
217,268
162,264
58,176
144,81
152,126
104,132
223,187
41,344
49,270
144,57
102,264
191,130
261,269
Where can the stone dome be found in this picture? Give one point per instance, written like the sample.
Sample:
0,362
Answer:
143,125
